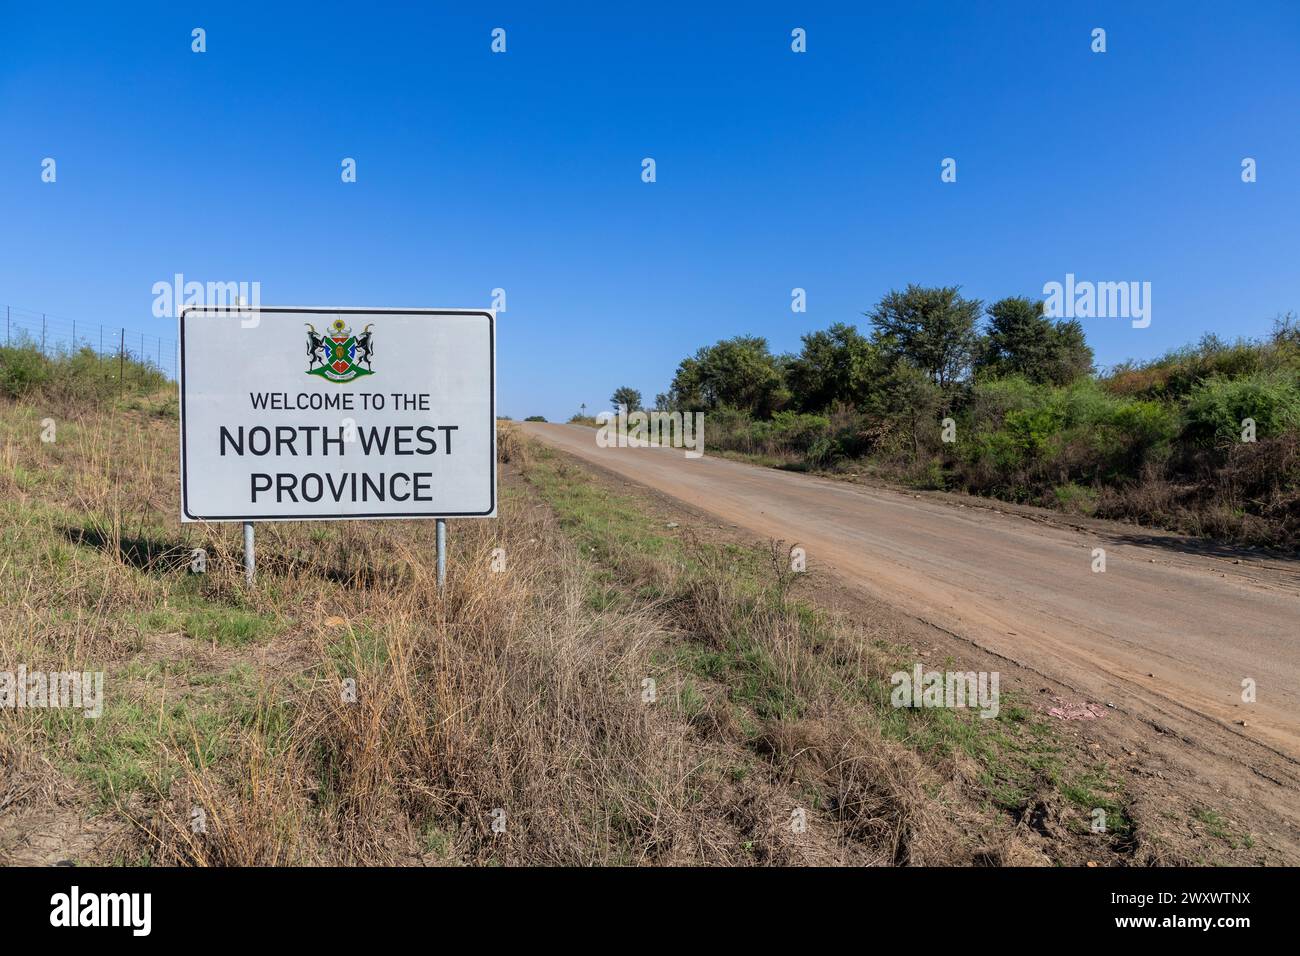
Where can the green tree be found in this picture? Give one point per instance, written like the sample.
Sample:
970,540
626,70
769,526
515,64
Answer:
908,403
626,396
738,373
931,328
837,365
1021,340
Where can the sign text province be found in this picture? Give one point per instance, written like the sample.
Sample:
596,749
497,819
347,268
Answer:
298,413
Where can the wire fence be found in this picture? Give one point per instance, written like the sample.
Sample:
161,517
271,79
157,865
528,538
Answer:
57,335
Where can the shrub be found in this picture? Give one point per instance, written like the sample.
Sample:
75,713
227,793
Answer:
730,429
991,399
1029,438
1217,408
73,375
797,431
22,369
1075,499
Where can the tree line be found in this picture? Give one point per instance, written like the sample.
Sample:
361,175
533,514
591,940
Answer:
922,340
942,391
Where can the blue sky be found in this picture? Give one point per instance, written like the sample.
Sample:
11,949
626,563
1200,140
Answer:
775,170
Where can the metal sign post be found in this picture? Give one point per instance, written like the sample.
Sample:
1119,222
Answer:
442,555
248,551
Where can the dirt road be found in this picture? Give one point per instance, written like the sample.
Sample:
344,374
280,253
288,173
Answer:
1166,633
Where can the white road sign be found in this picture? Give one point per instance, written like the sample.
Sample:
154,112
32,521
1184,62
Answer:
314,413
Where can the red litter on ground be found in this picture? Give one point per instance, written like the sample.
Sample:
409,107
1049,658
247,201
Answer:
1076,711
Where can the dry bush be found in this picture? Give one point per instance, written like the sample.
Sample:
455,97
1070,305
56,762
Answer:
508,694
818,722
26,776
512,447
255,811
1248,492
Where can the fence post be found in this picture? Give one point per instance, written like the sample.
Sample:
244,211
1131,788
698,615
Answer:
121,359
42,333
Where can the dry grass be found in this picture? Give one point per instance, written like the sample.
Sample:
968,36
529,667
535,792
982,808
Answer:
231,734
1247,493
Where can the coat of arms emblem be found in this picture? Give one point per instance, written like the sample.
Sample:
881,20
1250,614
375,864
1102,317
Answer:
338,355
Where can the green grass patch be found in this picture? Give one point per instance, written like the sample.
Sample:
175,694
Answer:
227,627
358,645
